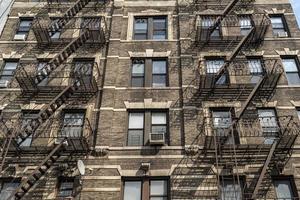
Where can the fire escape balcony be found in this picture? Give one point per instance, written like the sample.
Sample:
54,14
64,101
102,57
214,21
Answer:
220,5
83,75
252,138
239,80
226,33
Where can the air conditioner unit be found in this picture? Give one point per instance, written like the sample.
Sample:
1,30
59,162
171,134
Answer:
282,34
20,37
157,138
4,83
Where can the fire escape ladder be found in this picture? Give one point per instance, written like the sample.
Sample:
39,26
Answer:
264,169
258,85
232,56
69,14
45,113
40,171
61,56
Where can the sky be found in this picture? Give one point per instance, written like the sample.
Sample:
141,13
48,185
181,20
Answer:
296,8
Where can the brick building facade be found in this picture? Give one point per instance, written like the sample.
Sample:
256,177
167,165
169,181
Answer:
150,100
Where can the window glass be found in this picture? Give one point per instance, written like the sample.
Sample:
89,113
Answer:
8,188
159,28
231,190
208,22
290,65
268,122
84,67
140,28
245,24
25,25
256,69
66,188
136,120
291,71
222,119
213,67
277,22
8,70
133,190
56,34
158,190
138,73
27,117
136,129
159,73
283,189
159,123
72,124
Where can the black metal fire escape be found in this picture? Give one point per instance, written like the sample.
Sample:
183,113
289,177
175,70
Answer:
29,82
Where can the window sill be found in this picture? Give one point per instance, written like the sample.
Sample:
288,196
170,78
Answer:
288,86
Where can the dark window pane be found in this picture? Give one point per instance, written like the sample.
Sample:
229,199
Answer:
135,137
140,29
66,188
293,78
137,81
159,81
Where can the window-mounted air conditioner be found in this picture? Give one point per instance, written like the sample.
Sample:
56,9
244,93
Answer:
20,37
157,138
282,34
4,83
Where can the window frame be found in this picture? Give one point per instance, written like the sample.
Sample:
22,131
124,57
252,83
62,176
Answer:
232,117
242,180
9,180
63,126
297,62
146,186
30,116
3,68
273,134
242,28
147,126
256,74
150,27
26,33
148,72
284,23
291,180
58,185
226,74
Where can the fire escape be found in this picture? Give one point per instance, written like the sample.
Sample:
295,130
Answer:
233,142
40,80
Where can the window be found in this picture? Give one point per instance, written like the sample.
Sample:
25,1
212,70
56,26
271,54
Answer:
213,67
8,187
141,124
147,188
285,188
279,26
245,24
136,129
27,117
268,122
55,26
222,121
23,29
231,188
138,73
41,65
8,72
133,190
65,187
291,71
149,73
84,68
207,23
159,123
150,28
159,73
72,124
255,68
